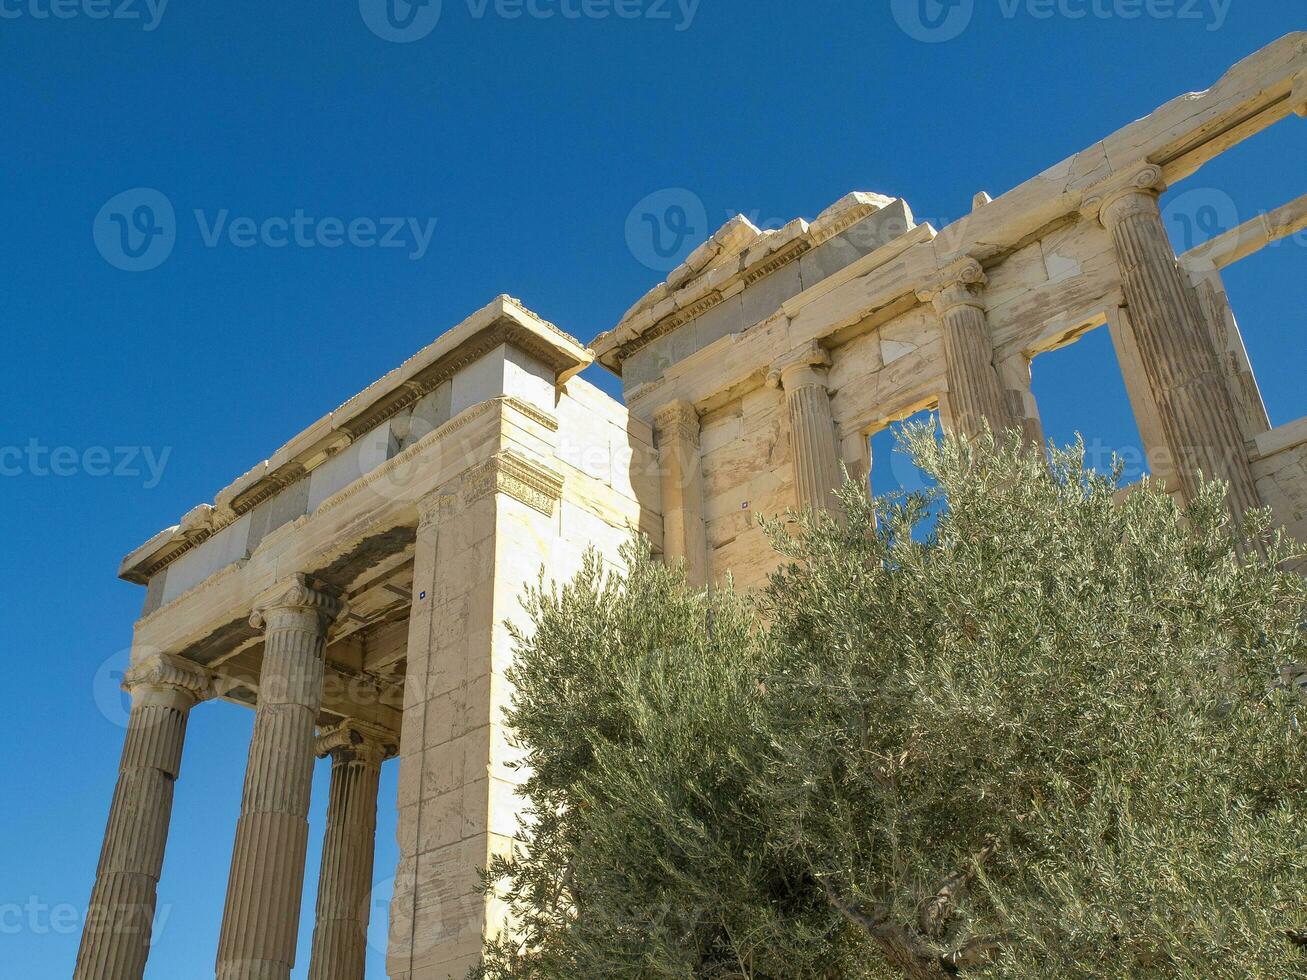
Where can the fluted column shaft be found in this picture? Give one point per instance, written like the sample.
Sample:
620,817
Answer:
260,920
345,878
1197,416
116,937
816,463
685,535
974,392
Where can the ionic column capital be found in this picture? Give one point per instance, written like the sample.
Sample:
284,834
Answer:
162,673
800,368
957,284
357,740
302,595
1122,194
679,421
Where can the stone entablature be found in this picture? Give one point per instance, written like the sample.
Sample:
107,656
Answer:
951,319
435,370
742,275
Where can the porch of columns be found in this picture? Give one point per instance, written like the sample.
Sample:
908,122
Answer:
1176,351
261,917
685,532
345,877
802,375
975,394
116,937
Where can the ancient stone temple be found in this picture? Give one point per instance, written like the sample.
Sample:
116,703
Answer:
353,589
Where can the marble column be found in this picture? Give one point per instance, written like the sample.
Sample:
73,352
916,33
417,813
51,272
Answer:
116,937
802,376
1175,348
340,932
685,533
974,392
261,917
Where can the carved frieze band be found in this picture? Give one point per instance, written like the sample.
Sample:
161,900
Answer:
161,670
304,594
525,480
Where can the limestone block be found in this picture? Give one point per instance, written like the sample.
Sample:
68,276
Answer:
864,237
864,355
763,298
154,592
427,414
222,549
282,508
358,459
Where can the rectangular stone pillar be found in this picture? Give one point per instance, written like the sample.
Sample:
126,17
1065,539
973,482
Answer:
685,533
481,540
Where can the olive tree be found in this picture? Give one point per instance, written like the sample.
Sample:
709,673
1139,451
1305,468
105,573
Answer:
1020,724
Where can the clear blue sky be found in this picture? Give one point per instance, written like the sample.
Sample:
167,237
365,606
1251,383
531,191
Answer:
529,141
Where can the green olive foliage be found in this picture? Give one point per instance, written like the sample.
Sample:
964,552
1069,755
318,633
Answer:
1056,733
